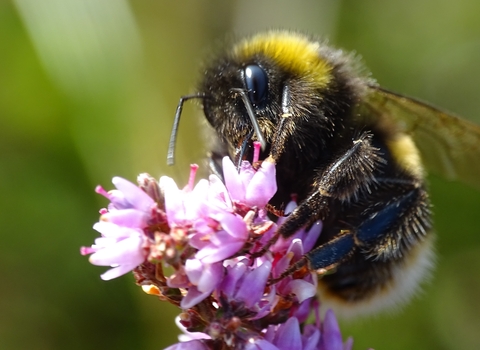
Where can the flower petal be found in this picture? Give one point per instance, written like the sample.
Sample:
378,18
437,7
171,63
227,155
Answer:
194,202
348,344
218,193
214,253
311,338
232,180
133,194
188,345
302,289
310,238
127,217
174,207
246,173
233,224
288,335
117,271
260,344
234,274
211,277
193,269
193,297
263,186
126,251
331,336
253,285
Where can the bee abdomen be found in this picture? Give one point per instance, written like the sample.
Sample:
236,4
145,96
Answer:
362,287
394,254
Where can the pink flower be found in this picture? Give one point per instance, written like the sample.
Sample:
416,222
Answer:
250,187
220,245
204,279
246,284
127,196
184,206
122,242
119,247
198,247
206,212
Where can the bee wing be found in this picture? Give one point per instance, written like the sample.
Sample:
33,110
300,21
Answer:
449,145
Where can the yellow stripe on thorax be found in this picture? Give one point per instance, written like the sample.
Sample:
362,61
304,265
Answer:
292,52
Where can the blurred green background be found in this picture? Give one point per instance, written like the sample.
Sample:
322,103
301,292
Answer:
88,90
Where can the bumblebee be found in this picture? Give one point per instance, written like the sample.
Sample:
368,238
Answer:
353,153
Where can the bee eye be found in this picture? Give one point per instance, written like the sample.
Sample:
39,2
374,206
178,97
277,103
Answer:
256,82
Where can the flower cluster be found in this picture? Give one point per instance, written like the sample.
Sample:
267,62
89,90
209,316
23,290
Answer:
211,239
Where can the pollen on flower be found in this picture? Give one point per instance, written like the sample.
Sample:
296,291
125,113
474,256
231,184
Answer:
151,289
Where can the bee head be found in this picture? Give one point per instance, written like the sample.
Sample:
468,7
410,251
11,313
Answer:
252,86
247,90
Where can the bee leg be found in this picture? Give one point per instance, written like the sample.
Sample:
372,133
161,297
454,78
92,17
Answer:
351,172
325,257
397,223
387,233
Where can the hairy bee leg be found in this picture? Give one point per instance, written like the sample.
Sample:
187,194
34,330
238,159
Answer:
401,221
393,251
326,256
379,236
351,172
387,234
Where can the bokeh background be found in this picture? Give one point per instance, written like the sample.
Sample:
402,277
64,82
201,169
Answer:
88,90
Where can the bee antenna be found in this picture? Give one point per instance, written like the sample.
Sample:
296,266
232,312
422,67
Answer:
251,114
176,122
